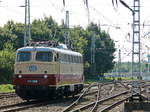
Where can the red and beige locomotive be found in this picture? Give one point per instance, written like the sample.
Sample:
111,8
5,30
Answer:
44,72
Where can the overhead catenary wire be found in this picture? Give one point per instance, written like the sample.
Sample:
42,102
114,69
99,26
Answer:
12,10
108,20
50,4
87,6
87,10
116,10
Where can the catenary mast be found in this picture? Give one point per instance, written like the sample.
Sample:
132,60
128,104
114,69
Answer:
27,30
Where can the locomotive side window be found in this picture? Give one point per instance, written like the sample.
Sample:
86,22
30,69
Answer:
80,59
62,57
71,59
77,59
23,56
65,56
44,56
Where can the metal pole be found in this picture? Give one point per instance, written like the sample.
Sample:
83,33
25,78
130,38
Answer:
93,66
119,62
67,27
0,1
29,30
148,58
136,54
25,25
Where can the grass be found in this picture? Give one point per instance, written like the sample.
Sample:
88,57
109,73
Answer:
107,79
6,88
94,80
120,78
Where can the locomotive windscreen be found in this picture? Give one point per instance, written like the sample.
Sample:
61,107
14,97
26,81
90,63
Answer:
23,56
44,56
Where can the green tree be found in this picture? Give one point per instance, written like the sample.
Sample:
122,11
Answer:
7,58
104,49
44,29
77,39
13,33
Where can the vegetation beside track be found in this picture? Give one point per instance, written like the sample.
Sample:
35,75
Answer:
7,59
107,79
6,88
120,78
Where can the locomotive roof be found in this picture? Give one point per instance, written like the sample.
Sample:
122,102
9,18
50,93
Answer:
65,51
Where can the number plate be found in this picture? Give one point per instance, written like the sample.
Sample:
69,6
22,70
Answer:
32,81
32,68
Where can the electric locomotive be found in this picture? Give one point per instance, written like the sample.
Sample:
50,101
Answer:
43,72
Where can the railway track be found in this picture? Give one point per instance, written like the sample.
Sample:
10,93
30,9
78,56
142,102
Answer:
108,103
7,95
93,104
27,105
91,100
81,96
22,106
104,106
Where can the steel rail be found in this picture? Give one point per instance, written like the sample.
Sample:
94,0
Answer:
67,109
24,107
79,98
124,85
12,105
106,109
7,95
5,107
97,99
100,101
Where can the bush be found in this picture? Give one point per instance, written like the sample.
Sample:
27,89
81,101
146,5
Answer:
7,58
6,88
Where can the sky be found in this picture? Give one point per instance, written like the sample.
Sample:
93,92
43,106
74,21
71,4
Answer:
116,20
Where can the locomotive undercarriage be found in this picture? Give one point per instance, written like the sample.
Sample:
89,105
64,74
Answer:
47,92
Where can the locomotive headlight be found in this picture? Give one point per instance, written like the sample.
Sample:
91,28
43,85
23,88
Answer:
45,76
19,76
